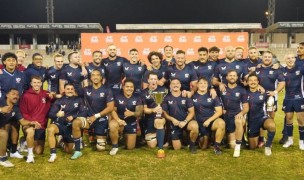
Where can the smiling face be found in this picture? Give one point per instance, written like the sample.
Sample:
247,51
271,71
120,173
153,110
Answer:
253,54
97,57
230,52
253,82
168,51
232,77
10,64
300,50
290,60
267,59
180,59
202,85
112,51
203,56
175,85
96,77
12,96
37,60
128,89
58,62
69,90
155,60
133,56
36,84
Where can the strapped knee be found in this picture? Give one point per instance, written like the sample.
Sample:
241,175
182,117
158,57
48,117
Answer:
101,144
150,138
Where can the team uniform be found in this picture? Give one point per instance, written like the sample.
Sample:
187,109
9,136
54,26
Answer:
221,70
122,103
185,76
204,108
19,67
205,70
96,100
73,76
136,73
35,107
249,63
232,100
160,73
268,78
114,72
72,106
32,70
92,67
11,80
6,118
257,112
294,100
52,77
150,103
177,107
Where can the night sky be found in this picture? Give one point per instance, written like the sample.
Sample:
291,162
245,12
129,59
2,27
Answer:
111,12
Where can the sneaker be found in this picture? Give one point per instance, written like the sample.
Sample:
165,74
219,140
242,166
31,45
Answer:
283,140
217,150
22,147
268,151
76,155
288,143
7,164
52,158
237,153
261,144
161,153
16,155
30,158
113,151
301,145
193,149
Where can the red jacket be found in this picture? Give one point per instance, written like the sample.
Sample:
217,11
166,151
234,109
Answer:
35,107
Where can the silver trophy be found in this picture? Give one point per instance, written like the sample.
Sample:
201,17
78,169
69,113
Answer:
270,104
158,97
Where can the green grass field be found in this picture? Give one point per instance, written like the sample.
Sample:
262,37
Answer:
142,163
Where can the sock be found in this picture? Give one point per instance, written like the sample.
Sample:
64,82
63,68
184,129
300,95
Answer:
216,144
77,144
269,139
289,128
30,151
160,135
301,132
14,148
192,144
53,150
238,144
261,138
3,158
115,145
284,131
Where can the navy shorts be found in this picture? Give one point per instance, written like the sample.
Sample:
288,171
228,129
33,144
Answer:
99,127
177,132
204,131
150,125
254,126
130,128
293,105
229,119
39,135
66,132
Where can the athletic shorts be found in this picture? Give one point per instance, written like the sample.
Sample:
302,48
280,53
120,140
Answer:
99,127
177,132
66,132
150,125
204,131
39,135
293,105
254,126
130,128
229,119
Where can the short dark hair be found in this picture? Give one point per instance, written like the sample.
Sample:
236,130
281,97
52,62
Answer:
70,55
97,71
36,77
152,73
8,55
36,54
68,84
168,46
12,89
129,81
174,79
202,49
180,52
301,43
154,53
133,49
96,52
214,48
230,71
253,74
202,79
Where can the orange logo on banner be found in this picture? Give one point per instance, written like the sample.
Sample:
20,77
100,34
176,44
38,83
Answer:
147,42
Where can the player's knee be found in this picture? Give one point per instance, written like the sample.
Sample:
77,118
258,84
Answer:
30,132
221,124
113,125
3,135
77,124
151,140
101,144
238,122
271,127
232,144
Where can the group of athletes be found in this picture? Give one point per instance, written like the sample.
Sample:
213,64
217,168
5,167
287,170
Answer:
209,101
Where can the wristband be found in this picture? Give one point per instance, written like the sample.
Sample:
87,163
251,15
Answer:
97,115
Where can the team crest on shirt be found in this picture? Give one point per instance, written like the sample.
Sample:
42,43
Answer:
118,63
224,93
261,97
237,67
139,68
173,74
209,67
54,76
183,101
121,102
62,106
194,100
133,103
148,97
75,105
285,74
297,73
69,73
101,94
195,67
126,68
270,72
18,80
43,100
224,68
90,70
170,102
237,94
209,100
187,75
89,93
106,64
257,72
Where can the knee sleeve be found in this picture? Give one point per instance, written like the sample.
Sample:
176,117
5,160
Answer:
101,144
150,138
